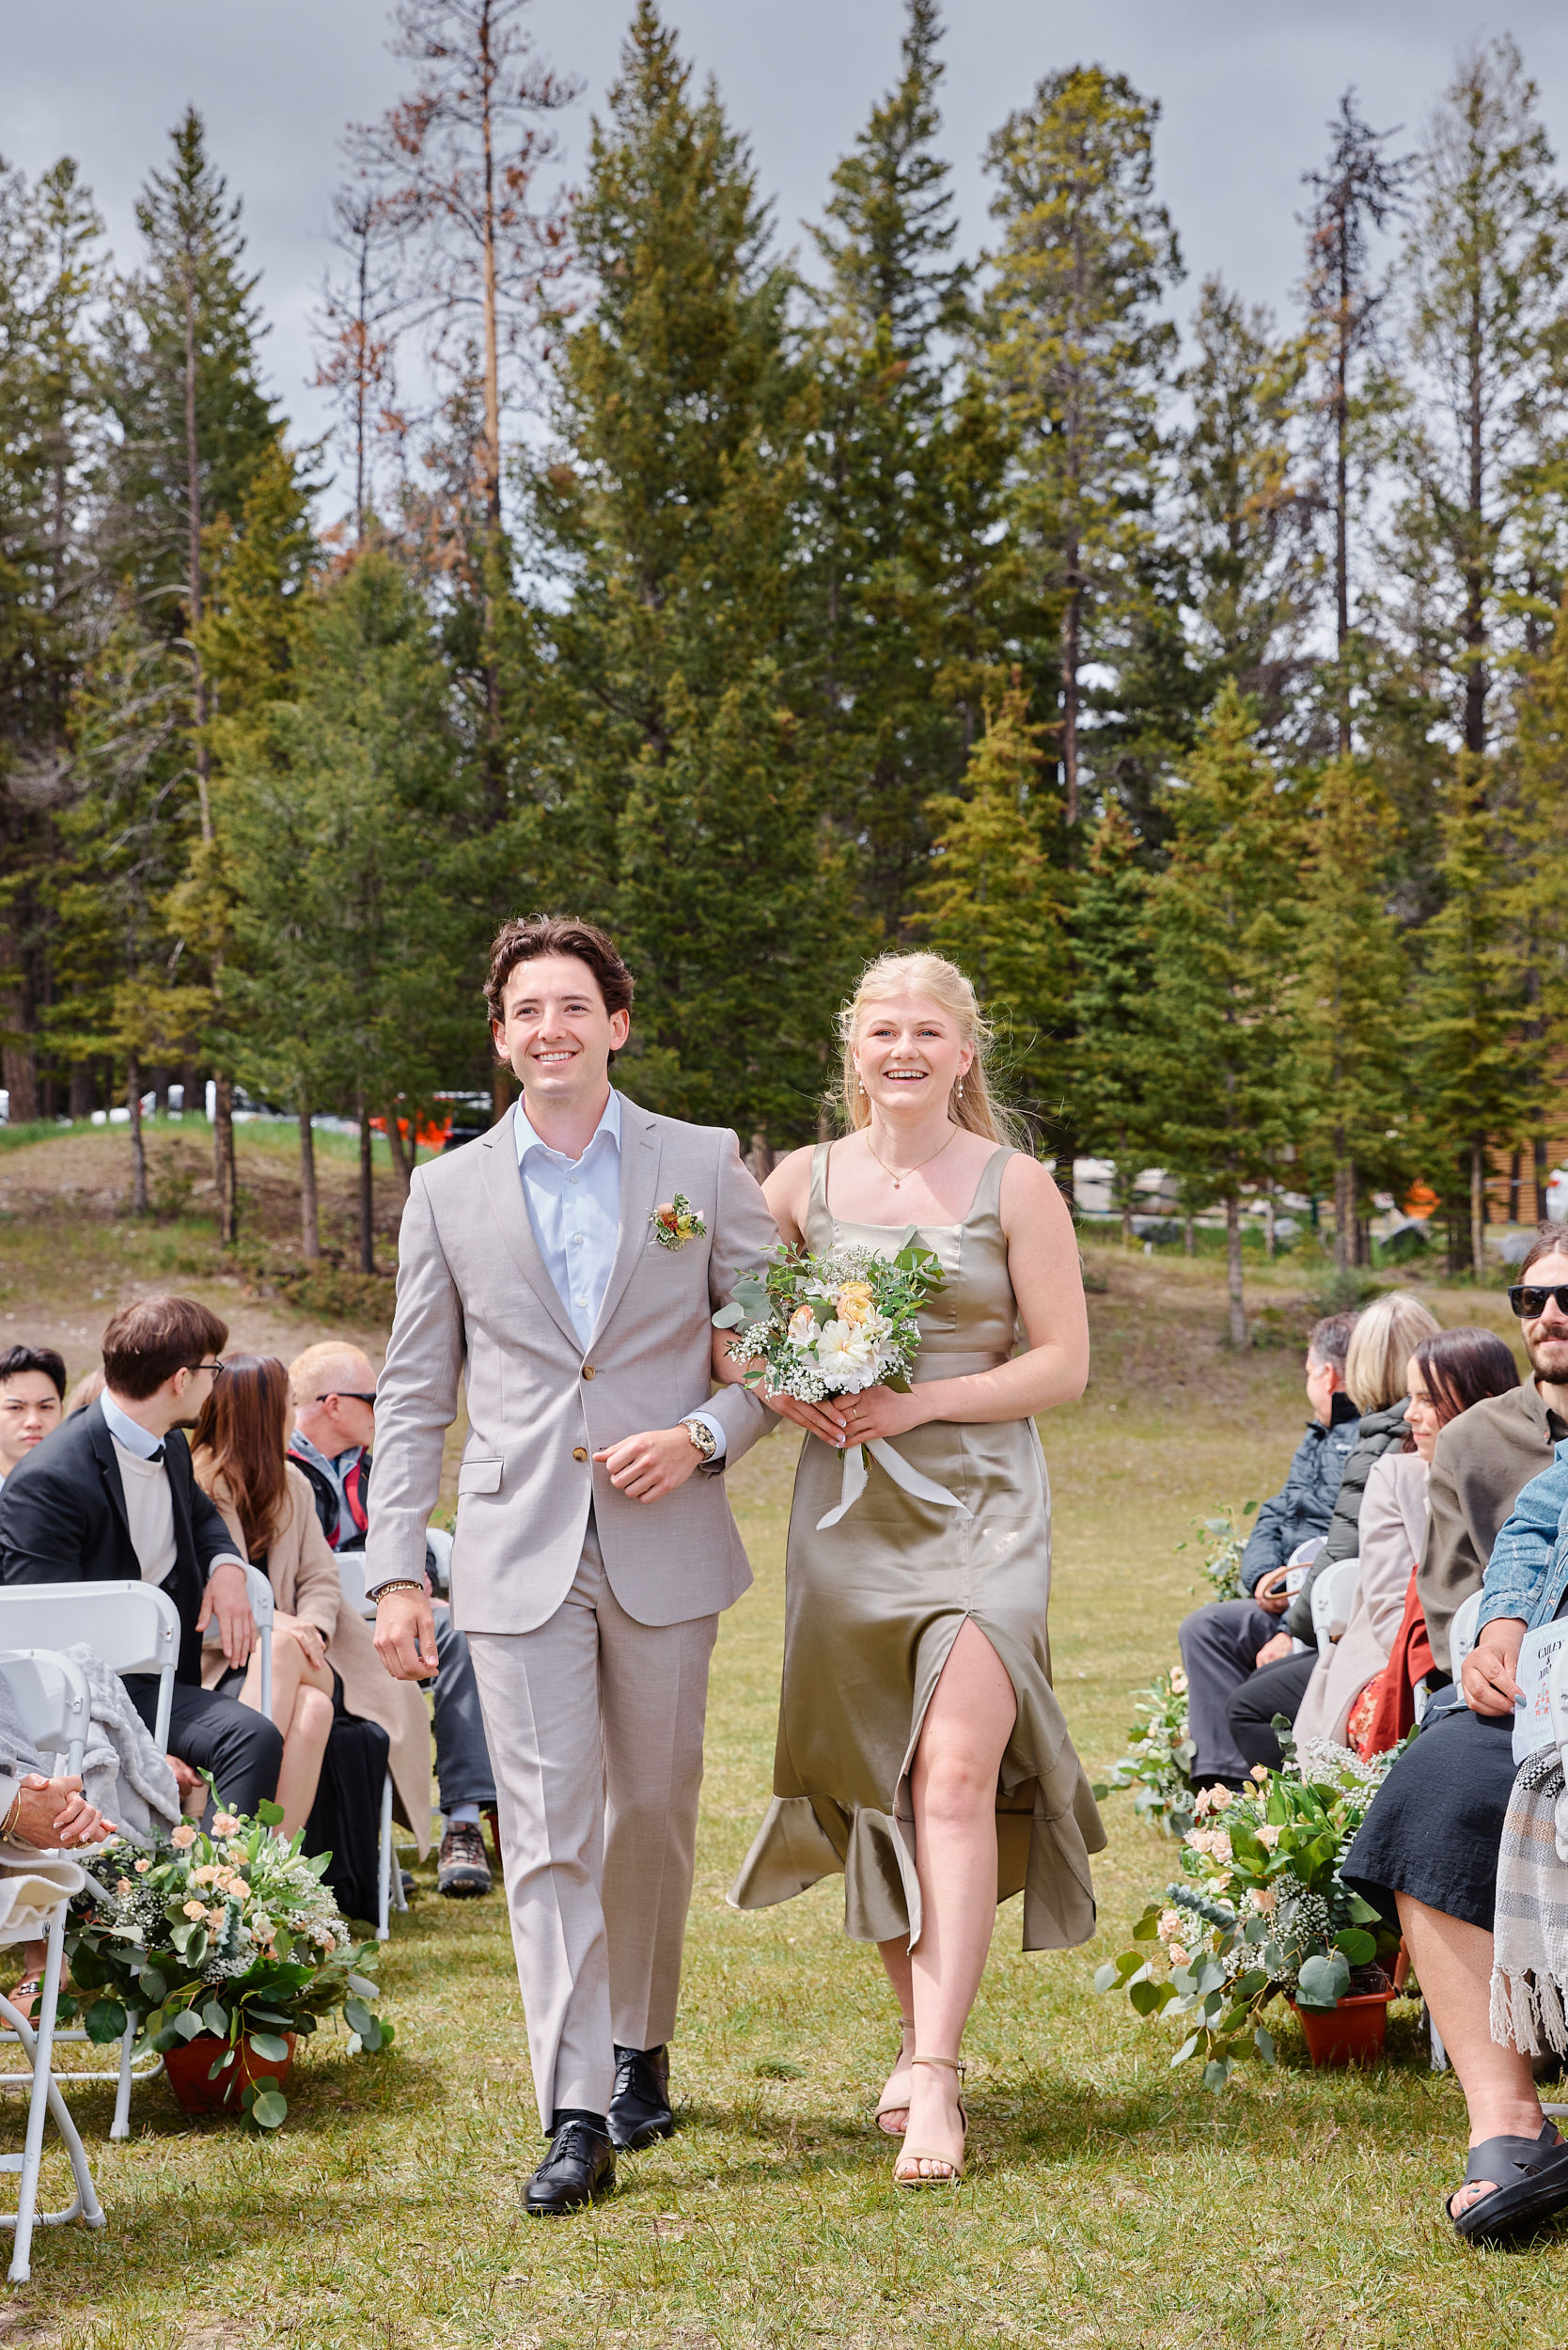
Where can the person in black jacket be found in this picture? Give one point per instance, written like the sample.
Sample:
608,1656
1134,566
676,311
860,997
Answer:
110,1496
1222,1643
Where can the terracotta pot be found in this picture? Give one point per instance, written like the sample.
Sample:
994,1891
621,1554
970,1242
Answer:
189,2062
1352,2034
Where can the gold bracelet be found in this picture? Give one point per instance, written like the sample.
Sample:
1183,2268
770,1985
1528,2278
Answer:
384,1588
11,1817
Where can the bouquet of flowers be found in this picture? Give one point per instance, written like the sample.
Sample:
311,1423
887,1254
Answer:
815,1327
231,1933
1261,1909
835,1324
1222,1540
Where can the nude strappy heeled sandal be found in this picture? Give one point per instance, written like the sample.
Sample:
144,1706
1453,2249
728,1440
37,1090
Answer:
896,2104
951,2172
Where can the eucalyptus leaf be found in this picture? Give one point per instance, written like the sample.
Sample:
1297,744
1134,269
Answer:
270,2108
189,2026
1323,1980
363,1987
375,2034
216,2019
268,2044
356,2014
1358,1946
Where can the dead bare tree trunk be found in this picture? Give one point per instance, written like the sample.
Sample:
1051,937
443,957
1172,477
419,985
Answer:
1233,1268
367,1191
310,1226
138,1144
224,1170
1478,1207
1344,1207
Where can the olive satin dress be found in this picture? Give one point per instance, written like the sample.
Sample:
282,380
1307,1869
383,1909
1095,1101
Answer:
873,1605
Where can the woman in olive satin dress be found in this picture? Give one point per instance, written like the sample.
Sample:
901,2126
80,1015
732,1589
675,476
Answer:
920,1748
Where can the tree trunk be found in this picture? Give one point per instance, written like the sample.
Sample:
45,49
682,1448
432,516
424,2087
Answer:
1539,1153
138,1146
222,1161
310,1226
403,1153
1233,1268
1189,1237
1515,1185
367,1191
760,1157
1071,659
500,1091
1344,1209
1268,1220
81,1089
1478,1207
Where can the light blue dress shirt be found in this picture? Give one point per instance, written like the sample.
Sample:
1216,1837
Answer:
575,1209
128,1432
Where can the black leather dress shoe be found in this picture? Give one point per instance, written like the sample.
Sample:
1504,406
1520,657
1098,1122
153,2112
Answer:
639,2107
579,2167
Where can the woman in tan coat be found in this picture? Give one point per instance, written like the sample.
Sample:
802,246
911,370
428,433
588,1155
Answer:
239,1457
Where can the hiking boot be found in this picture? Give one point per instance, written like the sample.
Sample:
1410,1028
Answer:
462,1870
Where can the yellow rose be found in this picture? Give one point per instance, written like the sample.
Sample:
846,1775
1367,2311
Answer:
853,1303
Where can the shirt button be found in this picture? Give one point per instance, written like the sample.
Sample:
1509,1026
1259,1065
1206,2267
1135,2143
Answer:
571,1179
579,1453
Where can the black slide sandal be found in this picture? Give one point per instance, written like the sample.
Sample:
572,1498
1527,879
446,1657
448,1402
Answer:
1533,2184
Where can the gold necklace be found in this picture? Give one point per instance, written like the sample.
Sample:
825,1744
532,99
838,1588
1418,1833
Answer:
909,1171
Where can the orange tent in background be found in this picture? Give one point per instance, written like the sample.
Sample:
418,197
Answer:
1420,1200
430,1136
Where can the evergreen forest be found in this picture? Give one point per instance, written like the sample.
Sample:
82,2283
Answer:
1194,676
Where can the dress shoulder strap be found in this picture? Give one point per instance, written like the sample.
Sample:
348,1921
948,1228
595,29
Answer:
988,1191
818,1213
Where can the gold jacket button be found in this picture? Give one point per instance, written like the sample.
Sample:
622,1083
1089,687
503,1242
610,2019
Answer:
587,1370
579,1453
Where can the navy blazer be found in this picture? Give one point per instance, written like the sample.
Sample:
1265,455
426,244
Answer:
62,1520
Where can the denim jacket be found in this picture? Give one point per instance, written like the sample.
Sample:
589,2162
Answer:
1527,1575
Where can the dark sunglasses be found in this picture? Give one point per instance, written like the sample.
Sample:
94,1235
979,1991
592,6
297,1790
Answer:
354,1395
1527,1301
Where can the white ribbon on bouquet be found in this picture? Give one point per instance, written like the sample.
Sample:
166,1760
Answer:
908,1480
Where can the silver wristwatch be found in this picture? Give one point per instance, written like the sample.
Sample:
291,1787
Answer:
703,1437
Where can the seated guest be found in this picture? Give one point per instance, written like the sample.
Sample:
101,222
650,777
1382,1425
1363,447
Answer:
32,1400
1377,1361
110,1498
1386,1334
1484,1461
1221,1642
1446,1376
1428,1848
334,1391
241,1459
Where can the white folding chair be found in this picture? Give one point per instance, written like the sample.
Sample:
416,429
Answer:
134,1627
49,1696
389,1876
1333,1597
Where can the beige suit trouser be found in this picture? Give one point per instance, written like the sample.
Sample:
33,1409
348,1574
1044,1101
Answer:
594,1724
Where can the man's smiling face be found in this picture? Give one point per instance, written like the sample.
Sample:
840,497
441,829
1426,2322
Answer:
557,1033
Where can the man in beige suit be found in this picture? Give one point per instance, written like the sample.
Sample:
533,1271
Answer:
594,1546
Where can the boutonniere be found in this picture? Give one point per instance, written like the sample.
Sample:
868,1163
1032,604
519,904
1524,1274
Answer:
676,1222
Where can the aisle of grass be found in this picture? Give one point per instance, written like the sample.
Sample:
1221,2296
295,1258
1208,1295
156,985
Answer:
1109,2201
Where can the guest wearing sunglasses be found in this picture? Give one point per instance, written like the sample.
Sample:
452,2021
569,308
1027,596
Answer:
111,1497
1484,1459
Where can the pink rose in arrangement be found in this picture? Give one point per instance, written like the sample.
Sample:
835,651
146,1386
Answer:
185,1835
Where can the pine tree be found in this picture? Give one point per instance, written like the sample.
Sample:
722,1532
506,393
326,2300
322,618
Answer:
1477,1085
51,433
733,908
1078,351
1535,897
880,528
1247,522
994,902
1112,965
1483,266
1221,1067
1353,1003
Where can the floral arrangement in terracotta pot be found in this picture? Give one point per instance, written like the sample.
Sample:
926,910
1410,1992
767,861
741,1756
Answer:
227,1943
1262,1910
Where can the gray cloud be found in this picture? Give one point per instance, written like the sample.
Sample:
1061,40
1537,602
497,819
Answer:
1245,85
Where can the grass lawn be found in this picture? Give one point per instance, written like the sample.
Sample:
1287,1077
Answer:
1109,2201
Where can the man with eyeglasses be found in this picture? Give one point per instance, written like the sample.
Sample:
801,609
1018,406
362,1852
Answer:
111,1497
1486,1457
334,1389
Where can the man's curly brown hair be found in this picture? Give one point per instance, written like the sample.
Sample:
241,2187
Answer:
519,941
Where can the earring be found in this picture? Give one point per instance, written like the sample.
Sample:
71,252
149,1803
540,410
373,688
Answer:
961,1089
861,1083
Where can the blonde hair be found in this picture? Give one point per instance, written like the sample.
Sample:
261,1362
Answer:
1381,1345
971,1104
307,1370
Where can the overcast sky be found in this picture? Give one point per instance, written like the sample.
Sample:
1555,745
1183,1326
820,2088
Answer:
1245,87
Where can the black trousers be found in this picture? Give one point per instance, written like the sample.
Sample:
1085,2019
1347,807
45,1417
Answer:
242,1748
1270,1689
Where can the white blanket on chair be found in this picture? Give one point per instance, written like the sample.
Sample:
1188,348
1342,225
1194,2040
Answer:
33,1885
123,1772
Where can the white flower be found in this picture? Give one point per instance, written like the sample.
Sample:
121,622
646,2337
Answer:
846,1353
803,1327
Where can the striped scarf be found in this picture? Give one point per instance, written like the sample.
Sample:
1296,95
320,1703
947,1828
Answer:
1529,1946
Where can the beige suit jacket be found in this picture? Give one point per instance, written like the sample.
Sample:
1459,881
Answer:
475,1303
